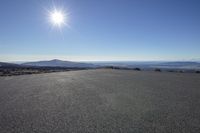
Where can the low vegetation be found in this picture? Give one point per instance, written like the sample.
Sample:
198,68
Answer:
197,71
137,69
10,71
157,70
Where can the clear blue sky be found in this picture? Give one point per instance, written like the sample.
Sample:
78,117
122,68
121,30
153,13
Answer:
101,30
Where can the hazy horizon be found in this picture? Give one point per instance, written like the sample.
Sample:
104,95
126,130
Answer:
18,58
101,61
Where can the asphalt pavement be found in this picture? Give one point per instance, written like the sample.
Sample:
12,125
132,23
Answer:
100,101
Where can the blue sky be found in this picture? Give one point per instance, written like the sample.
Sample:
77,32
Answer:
101,30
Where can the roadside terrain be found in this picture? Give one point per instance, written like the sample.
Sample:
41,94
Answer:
15,71
100,101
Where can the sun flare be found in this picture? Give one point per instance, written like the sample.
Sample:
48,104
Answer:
58,17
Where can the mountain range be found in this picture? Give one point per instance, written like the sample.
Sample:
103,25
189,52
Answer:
130,64
5,64
59,63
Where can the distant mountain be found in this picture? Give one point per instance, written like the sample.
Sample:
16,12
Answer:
4,64
179,65
130,64
59,63
186,63
153,64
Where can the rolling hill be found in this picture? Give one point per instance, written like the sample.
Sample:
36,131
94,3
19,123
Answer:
4,64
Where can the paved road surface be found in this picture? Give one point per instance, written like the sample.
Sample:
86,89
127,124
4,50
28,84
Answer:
100,101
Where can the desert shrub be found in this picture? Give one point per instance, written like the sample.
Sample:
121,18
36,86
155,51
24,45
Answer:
110,67
171,71
137,69
6,71
157,70
181,71
197,71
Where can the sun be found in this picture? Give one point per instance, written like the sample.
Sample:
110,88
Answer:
58,17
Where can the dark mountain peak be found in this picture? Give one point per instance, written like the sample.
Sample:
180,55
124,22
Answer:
56,60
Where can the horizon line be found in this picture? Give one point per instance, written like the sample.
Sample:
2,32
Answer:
96,61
